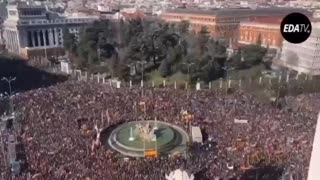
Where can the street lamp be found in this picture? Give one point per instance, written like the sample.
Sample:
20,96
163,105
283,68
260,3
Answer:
9,80
142,63
154,36
189,66
227,69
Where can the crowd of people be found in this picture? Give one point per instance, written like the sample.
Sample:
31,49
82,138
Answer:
59,125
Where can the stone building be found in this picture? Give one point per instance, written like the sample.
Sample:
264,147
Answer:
265,31
224,23
32,30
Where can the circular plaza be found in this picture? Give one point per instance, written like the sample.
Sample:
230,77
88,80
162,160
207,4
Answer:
138,137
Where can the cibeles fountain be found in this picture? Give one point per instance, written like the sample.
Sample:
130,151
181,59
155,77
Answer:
146,133
136,137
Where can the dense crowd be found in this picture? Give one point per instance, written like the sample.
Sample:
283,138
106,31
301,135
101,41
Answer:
59,128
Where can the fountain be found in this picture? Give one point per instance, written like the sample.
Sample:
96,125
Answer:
137,137
131,138
146,133
155,124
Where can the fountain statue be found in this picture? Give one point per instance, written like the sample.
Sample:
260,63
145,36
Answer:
146,132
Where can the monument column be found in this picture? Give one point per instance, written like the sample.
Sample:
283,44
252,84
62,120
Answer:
11,40
50,37
56,34
33,39
23,36
8,42
44,37
8,38
14,41
39,38
60,33
17,41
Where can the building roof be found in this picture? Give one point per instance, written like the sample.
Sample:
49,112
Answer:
268,20
272,22
22,5
136,15
240,12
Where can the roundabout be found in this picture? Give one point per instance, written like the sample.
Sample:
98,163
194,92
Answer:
137,138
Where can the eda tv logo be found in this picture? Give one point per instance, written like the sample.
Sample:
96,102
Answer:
296,28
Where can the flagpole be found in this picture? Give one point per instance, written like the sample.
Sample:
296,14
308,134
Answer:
144,147
136,110
156,144
102,119
108,117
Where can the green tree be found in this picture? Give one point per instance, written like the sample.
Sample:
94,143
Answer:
70,44
165,68
253,54
133,28
259,40
96,40
203,38
183,27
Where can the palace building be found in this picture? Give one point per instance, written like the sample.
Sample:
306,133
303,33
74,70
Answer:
32,30
264,31
224,23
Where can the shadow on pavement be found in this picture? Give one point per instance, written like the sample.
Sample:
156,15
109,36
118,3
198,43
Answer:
27,77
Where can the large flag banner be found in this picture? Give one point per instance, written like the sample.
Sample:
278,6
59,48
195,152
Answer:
151,153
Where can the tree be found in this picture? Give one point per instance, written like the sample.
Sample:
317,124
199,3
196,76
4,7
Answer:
259,40
88,47
133,29
70,43
237,61
183,27
292,58
203,38
164,68
96,40
163,46
253,54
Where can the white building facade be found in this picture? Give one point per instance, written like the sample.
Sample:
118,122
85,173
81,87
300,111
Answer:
31,29
304,57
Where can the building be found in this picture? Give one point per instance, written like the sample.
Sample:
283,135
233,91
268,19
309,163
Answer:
224,23
265,31
303,57
316,14
31,30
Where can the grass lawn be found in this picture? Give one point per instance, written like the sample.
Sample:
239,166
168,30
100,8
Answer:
253,72
178,77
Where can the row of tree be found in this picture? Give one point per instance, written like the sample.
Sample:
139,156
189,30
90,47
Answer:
131,48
